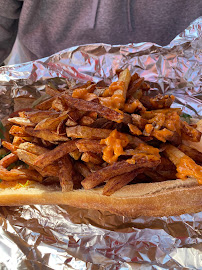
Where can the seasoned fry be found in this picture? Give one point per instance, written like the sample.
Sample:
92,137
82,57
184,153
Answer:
87,132
65,173
115,169
37,116
104,111
189,133
33,148
82,168
10,147
46,135
75,154
87,145
21,121
18,131
29,158
192,153
119,181
51,123
55,154
45,105
91,157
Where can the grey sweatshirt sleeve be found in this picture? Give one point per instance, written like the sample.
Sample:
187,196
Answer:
9,17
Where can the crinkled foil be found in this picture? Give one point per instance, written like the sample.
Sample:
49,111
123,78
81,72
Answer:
62,237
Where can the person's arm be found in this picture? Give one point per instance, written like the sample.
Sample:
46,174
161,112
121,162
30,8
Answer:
9,17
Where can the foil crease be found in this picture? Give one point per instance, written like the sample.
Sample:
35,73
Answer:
63,237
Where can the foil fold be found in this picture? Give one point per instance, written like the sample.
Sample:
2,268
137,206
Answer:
63,237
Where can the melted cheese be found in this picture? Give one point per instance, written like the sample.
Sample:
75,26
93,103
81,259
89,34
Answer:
83,93
187,167
144,151
114,146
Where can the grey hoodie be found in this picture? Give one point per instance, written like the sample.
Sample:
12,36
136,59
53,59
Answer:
44,27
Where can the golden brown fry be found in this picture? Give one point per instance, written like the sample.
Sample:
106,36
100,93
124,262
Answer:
191,152
155,176
84,105
18,131
86,145
134,86
55,154
51,123
86,121
65,173
33,148
46,135
82,169
45,105
8,160
10,147
189,133
115,169
119,181
21,121
75,154
91,157
29,158
37,116
51,91
134,130
87,132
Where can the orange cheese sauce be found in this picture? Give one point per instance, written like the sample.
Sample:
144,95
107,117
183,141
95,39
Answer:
172,122
83,93
113,97
187,167
115,143
131,107
14,184
144,150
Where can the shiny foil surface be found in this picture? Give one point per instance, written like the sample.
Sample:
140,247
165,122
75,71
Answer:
63,237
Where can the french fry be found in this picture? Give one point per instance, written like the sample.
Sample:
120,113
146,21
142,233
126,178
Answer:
75,154
189,133
91,157
46,135
65,173
30,158
37,116
55,154
87,132
94,107
134,86
10,147
51,123
192,153
33,148
21,121
45,105
82,169
51,91
18,131
8,160
119,181
86,121
134,130
87,145
115,169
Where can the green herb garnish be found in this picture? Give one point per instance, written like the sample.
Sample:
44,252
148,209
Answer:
186,117
2,130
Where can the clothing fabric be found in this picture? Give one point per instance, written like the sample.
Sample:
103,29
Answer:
44,27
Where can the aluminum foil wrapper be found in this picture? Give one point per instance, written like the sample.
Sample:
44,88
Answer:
62,237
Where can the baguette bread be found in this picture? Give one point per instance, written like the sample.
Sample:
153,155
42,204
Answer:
173,197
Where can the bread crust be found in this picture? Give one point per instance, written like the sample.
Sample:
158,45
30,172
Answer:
167,198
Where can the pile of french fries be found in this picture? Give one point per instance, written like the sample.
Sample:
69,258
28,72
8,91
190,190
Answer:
94,136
